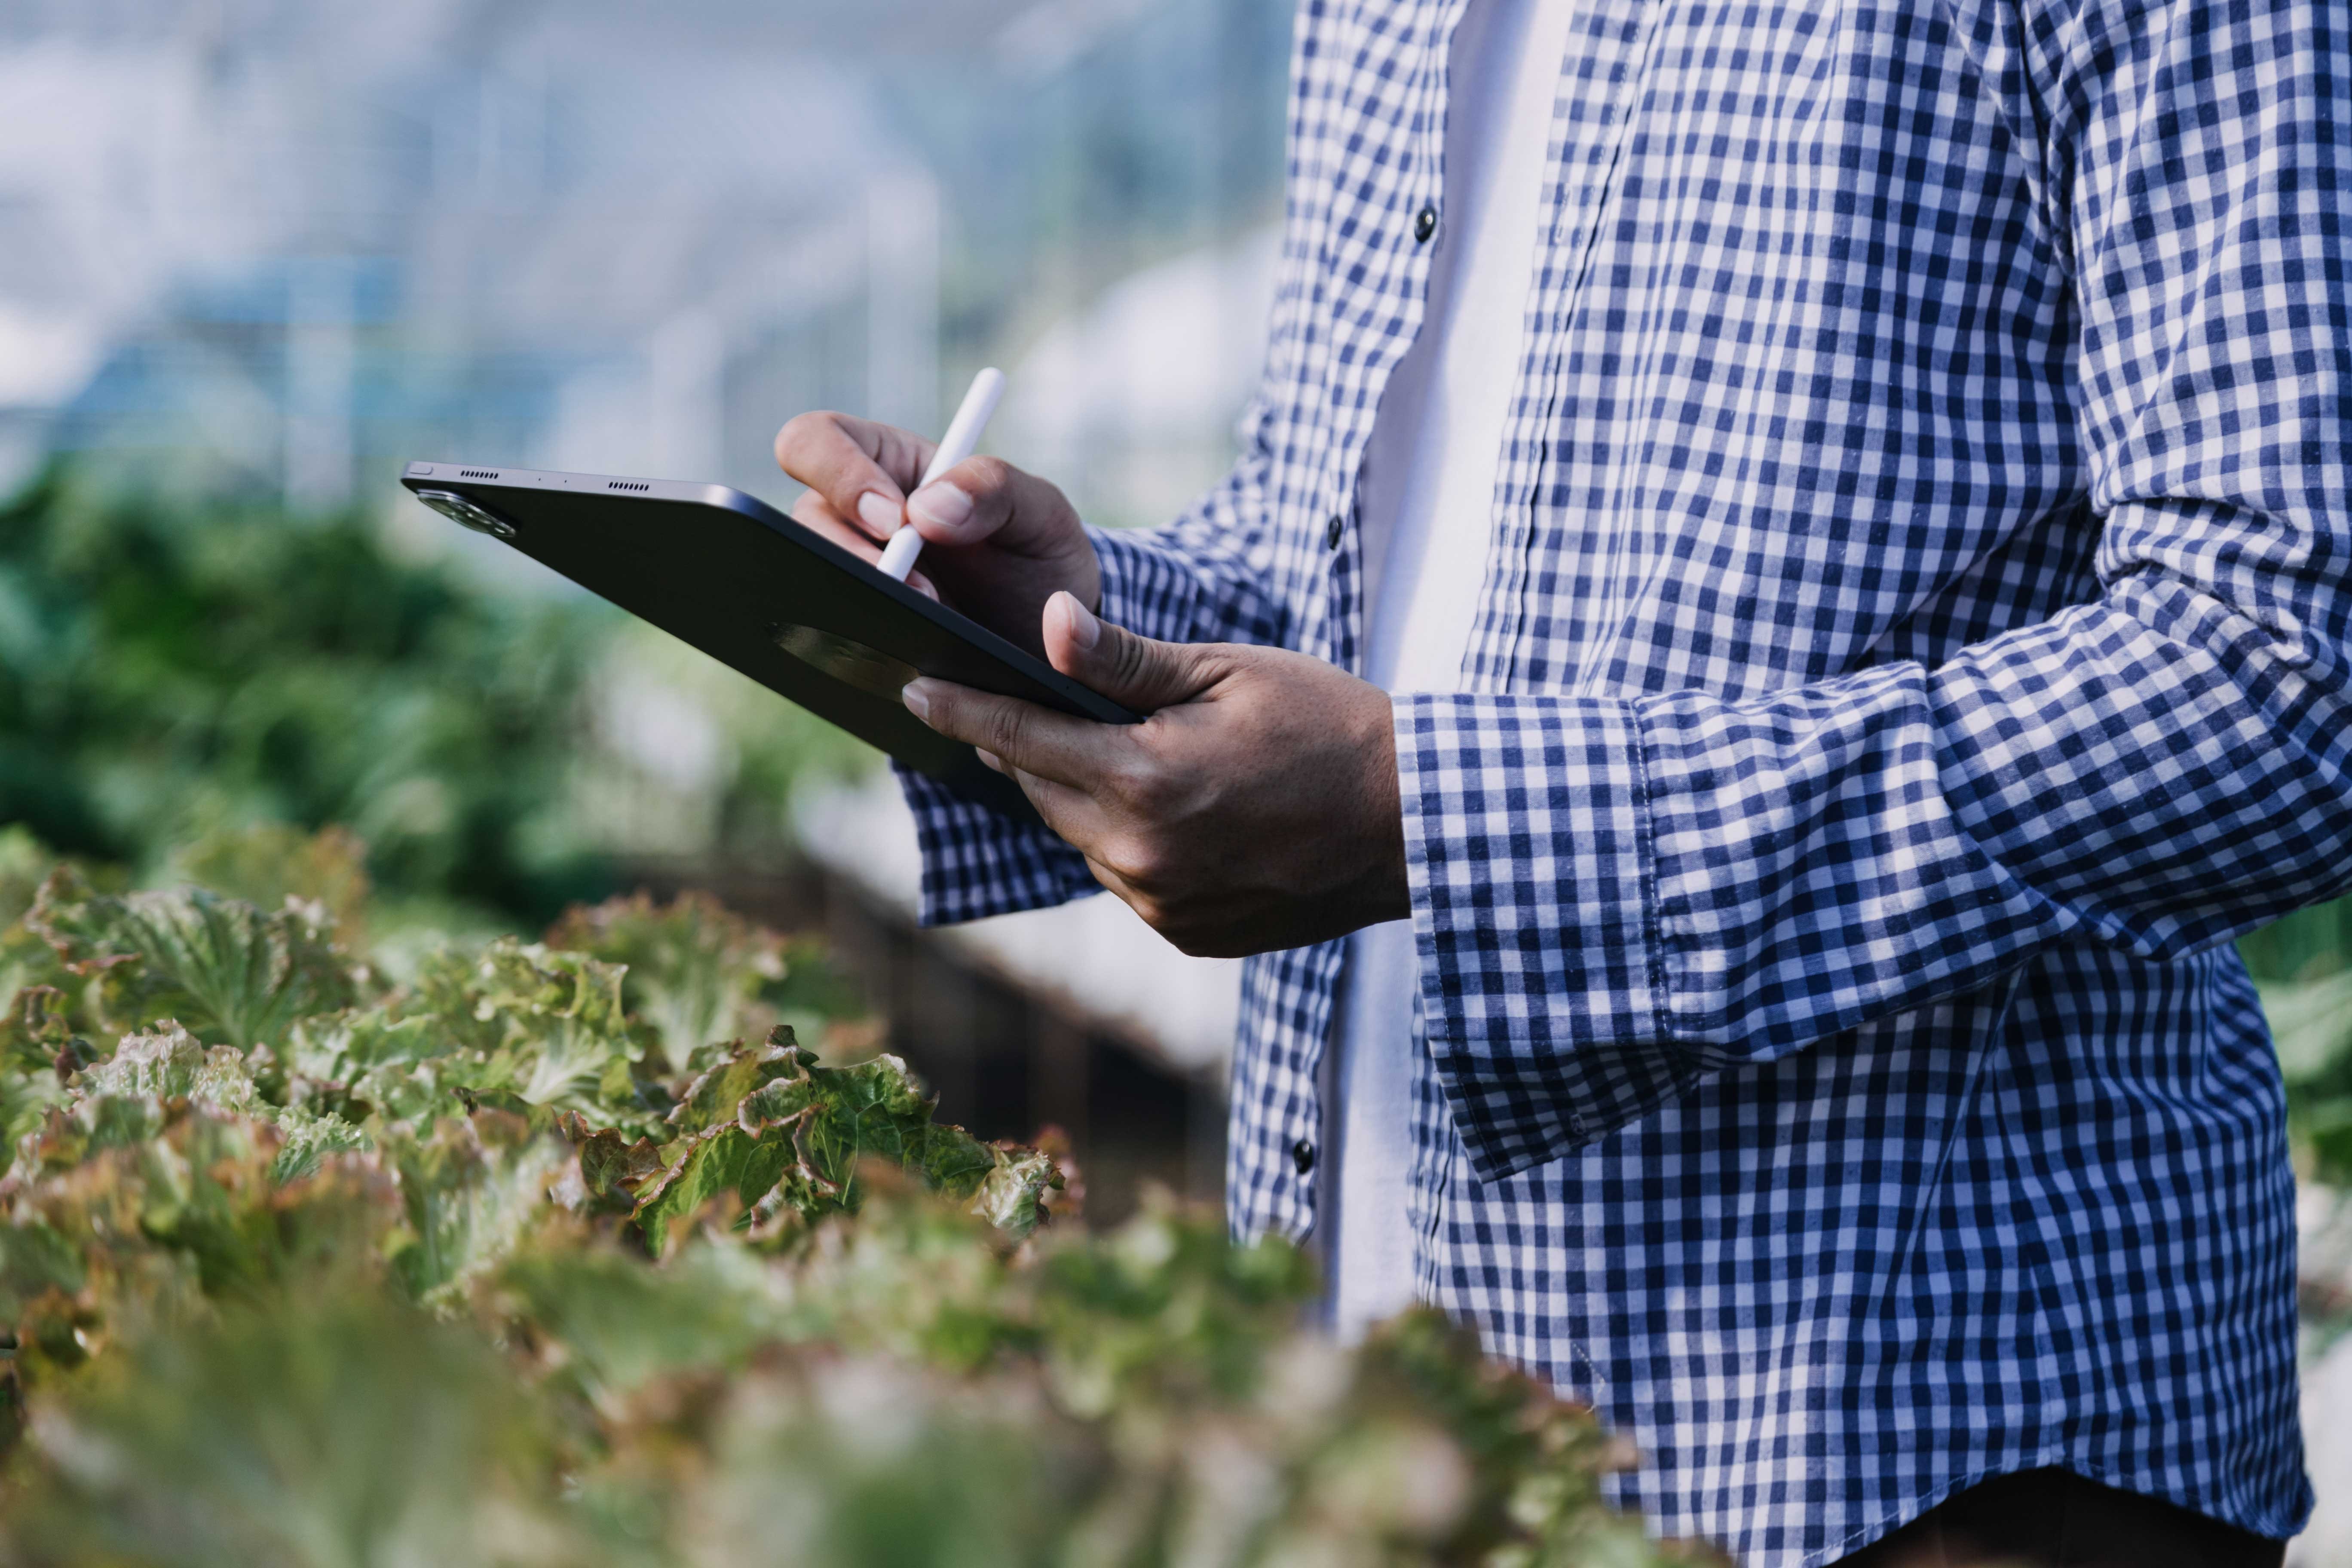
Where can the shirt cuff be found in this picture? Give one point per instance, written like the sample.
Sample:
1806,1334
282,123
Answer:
1147,590
1528,841
979,862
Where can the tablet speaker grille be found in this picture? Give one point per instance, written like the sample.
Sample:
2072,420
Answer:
624,484
478,473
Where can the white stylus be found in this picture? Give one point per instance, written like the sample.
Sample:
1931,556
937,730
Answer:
963,435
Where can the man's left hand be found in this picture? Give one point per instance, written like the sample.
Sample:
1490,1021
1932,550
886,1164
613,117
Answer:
1256,808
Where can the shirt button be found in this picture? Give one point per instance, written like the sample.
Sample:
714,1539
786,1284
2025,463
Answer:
1302,1154
1424,223
1333,529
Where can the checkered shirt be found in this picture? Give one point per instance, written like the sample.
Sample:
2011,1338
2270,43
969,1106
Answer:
1914,642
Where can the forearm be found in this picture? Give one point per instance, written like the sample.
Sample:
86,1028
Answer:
1616,894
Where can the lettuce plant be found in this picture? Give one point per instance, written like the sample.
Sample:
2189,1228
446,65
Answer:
512,1262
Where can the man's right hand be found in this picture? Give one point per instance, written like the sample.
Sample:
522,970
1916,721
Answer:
997,543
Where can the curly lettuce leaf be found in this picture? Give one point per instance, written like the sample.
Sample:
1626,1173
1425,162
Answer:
695,971
621,1323
784,1137
308,1137
171,1064
271,865
221,966
472,1187
511,1026
610,1169
117,1100
335,1428
138,1210
545,1026
39,1053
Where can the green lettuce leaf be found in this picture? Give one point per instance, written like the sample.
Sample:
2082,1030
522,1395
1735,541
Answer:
610,1169
171,1064
220,967
620,1323
271,865
166,1203
319,1427
783,1138
695,971
39,1053
472,1188
511,1026
114,1101
544,1025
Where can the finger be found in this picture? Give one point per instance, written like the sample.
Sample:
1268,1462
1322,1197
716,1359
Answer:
1143,674
1146,909
1071,813
974,499
858,467
1055,746
1115,884
812,513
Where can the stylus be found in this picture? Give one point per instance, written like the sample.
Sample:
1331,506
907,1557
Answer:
963,435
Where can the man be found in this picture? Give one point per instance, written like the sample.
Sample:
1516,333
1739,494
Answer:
1851,501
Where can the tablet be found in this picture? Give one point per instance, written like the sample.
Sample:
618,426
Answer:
732,575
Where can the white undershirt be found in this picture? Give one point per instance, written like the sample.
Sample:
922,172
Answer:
1428,499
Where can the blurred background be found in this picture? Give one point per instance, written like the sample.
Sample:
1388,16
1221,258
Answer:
282,248
260,253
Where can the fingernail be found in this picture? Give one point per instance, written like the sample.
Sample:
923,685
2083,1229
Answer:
917,700
941,505
1085,630
880,512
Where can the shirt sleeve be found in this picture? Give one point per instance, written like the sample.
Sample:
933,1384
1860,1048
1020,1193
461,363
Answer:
1200,579
1615,897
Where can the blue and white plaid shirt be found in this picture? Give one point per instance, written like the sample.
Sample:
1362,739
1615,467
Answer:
1915,642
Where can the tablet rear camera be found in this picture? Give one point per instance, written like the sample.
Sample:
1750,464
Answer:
469,511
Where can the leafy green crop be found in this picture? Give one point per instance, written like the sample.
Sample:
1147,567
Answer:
693,970
171,668
166,670
2312,1024
511,1262
225,967
786,1137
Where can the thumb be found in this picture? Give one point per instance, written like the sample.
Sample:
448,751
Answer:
1135,672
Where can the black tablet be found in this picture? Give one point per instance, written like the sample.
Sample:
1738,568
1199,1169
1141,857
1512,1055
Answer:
736,578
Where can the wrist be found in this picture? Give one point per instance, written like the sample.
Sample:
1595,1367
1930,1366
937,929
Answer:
1385,890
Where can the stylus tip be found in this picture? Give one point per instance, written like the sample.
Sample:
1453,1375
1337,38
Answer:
898,554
